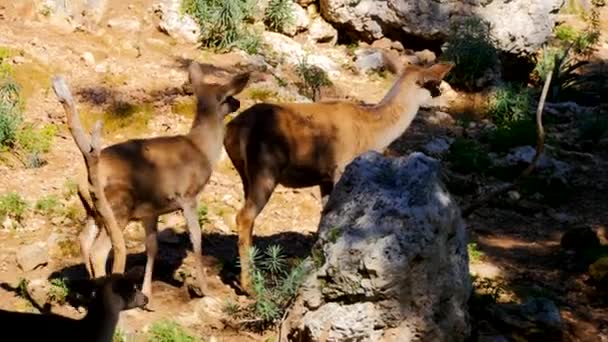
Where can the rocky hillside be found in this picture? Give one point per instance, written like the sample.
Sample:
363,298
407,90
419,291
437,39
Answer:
536,253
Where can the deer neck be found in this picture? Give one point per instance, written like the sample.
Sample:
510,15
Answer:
394,114
207,134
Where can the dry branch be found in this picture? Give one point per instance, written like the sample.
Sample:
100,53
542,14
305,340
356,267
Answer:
91,149
540,148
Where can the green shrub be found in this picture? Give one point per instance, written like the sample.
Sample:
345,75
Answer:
203,213
475,255
36,140
59,291
13,206
313,78
468,156
510,103
222,23
169,331
518,133
471,47
275,282
279,14
10,111
48,205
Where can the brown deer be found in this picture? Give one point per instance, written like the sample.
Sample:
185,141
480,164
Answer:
145,178
308,144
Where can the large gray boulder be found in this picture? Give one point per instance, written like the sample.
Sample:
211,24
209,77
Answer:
520,26
390,263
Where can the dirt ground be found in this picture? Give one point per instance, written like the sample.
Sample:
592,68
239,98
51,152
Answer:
521,250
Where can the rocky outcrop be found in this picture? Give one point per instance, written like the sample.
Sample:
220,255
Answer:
174,23
391,260
520,26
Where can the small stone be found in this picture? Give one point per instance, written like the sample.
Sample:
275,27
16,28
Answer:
31,256
383,43
88,58
439,117
124,24
18,60
514,195
425,56
367,60
38,290
580,239
321,31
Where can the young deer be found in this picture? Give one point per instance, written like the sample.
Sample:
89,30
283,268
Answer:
110,296
307,144
145,178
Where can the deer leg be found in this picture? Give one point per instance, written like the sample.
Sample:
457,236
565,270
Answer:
87,238
189,209
326,189
260,190
150,226
99,253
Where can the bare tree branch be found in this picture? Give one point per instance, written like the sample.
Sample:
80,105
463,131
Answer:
540,148
90,147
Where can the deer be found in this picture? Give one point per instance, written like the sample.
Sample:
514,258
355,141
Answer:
309,144
109,296
141,179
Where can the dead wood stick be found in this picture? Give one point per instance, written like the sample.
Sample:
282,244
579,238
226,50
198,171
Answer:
540,148
91,149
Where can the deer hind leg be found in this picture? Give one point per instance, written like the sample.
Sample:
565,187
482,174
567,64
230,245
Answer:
99,253
261,187
87,238
189,209
150,226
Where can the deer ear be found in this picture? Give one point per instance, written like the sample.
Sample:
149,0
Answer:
237,84
437,72
195,74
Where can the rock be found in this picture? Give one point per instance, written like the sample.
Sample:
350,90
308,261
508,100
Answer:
293,53
305,3
32,256
535,319
514,195
300,21
425,56
124,24
173,23
38,290
88,58
580,239
322,32
383,43
438,117
391,258
561,217
523,155
19,60
367,60
438,146
526,27
599,270
485,270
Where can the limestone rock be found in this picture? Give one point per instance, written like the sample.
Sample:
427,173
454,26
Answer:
525,28
173,23
391,259
293,52
32,256
124,24
322,32
300,21
367,60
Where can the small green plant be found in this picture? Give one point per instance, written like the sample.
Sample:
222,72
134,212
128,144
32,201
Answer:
35,141
231,308
10,108
169,331
222,23
509,104
119,336
333,234
313,78
475,255
262,94
203,214
279,14
48,205
471,47
468,156
12,205
518,133
22,288
70,188
59,290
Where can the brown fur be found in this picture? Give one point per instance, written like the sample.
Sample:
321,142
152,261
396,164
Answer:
145,178
301,145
